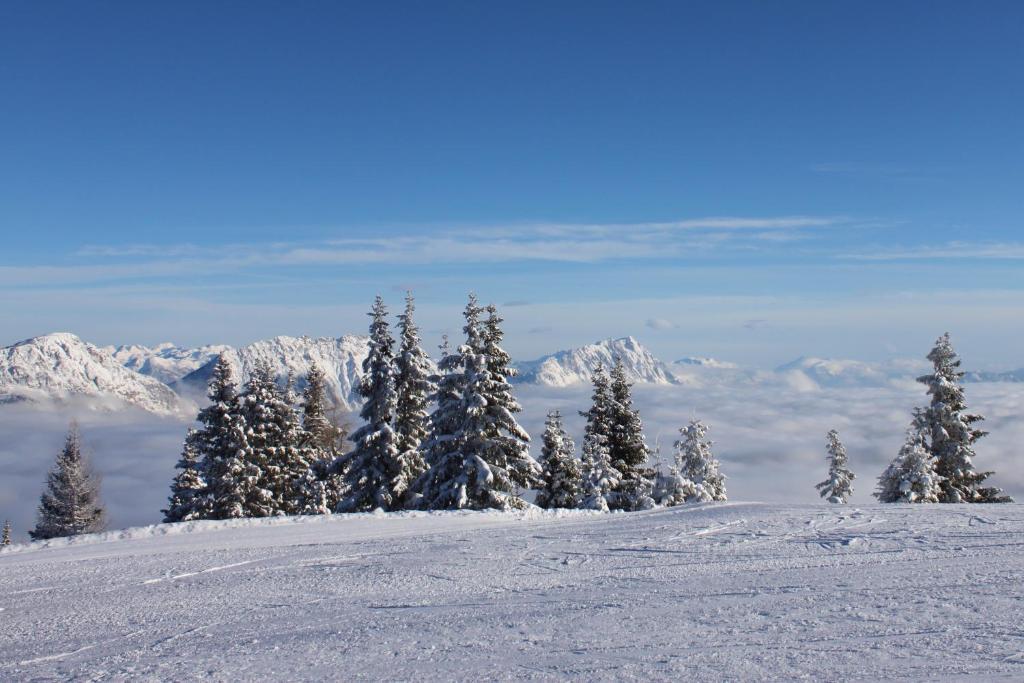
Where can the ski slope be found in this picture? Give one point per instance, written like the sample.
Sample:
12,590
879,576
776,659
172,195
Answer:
737,591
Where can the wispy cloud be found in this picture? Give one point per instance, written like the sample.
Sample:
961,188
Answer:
950,250
534,242
660,324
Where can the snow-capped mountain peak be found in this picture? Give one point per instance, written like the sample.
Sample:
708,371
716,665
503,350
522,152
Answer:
166,362
60,366
575,366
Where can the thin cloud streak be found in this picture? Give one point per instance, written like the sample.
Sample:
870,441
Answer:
951,250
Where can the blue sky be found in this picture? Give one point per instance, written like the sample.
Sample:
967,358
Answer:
749,180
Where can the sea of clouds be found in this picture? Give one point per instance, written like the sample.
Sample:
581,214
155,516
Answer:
769,437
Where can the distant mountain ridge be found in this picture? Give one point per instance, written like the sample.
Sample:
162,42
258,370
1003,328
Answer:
163,379
577,366
60,366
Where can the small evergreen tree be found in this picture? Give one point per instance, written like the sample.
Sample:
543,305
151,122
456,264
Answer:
413,388
5,537
70,505
673,488
319,488
911,477
696,462
562,477
188,500
627,446
839,486
375,474
952,432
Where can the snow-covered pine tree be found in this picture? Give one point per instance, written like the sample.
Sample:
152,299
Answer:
839,486
188,500
5,536
274,457
477,454
628,447
413,388
562,478
319,488
696,462
221,444
911,477
600,476
672,488
70,505
952,432
375,475
507,445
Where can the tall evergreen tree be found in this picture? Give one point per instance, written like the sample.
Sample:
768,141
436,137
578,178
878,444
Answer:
911,477
477,454
70,505
274,457
188,498
221,444
952,432
375,474
627,446
696,462
413,388
600,477
562,485
5,536
839,486
319,488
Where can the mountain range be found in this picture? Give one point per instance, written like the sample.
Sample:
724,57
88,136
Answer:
167,379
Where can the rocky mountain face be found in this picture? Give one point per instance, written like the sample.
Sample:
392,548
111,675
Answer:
340,358
165,362
60,367
575,366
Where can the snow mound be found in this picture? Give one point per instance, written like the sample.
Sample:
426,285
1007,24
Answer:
577,366
61,367
734,591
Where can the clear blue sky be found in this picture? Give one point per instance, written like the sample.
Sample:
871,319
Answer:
753,180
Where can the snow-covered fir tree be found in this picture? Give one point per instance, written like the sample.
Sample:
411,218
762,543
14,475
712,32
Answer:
274,459
839,486
220,442
562,485
413,388
188,498
952,431
376,476
319,488
600,477
70,505
696,462
627,446
477,454
911,477
5,535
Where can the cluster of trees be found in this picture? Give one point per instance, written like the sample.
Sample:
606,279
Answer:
936,462
429,440
450,440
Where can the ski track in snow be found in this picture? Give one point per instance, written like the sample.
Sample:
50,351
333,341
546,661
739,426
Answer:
728,591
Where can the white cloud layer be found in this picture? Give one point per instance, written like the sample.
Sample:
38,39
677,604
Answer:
769,438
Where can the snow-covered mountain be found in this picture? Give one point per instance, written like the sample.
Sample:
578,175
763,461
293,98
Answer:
60,366
165,362
714,363
833,372
1011,376
341,359
575,366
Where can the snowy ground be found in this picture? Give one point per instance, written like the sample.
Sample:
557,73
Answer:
729,591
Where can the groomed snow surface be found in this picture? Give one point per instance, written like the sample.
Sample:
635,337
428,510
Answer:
734,591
